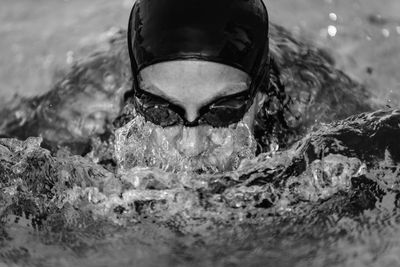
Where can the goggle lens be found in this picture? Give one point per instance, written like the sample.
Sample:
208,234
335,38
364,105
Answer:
226,111
221,113
157,110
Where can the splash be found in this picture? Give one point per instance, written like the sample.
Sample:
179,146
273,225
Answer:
135,146
271,203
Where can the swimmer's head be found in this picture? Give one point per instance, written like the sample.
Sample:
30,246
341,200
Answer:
198,66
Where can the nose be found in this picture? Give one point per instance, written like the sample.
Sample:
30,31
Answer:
192,141
191,113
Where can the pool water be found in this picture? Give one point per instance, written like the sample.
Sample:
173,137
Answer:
283,208
331,199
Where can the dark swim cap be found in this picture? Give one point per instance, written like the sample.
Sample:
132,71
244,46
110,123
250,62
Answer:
231,32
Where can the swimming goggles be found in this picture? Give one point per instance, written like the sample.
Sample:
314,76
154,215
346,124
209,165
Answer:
220,113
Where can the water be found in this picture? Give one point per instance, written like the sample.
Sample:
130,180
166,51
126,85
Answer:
281,209
134,146
324,192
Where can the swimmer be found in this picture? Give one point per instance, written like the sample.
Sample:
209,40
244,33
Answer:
88,106
200,70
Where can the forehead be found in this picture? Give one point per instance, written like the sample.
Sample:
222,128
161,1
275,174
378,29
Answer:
193,82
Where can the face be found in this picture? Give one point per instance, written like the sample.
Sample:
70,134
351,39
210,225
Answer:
192,85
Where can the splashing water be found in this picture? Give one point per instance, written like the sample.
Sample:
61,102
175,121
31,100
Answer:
134,146
67,210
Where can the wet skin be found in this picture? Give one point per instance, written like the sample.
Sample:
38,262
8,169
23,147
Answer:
192,85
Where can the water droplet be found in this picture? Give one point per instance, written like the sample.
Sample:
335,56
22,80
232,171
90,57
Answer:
333,16
386,32
70,57
332,31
